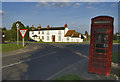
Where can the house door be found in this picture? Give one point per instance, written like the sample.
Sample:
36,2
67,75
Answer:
53,38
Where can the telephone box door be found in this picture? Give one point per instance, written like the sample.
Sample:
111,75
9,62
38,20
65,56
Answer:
100,48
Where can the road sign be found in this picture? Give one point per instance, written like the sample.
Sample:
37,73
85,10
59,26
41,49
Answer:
23,32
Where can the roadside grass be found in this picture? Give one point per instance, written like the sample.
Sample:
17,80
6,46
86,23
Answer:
116,41
63,42
116,57
10,47
69,77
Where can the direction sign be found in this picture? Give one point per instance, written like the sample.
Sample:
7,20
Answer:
23,32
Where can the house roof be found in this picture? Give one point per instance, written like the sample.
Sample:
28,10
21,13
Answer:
69,33
51,28
72,33
75,34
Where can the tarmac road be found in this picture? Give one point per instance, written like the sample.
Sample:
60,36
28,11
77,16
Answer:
44,60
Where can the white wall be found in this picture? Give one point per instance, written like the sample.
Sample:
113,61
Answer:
57,33
73,39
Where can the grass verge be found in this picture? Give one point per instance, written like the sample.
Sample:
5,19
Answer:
69,77
116,57
116,41
10,47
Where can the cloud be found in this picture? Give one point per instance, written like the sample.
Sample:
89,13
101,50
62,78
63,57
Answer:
72,0
61,4
56,4
77,4
2,12
45,4
60,0
114,5
89,7
49,0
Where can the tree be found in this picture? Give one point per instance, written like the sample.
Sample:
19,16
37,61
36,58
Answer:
27,34
8,35
4,29
86,33
115,36
14,30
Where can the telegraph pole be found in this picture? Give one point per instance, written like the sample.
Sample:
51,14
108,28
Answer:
17,25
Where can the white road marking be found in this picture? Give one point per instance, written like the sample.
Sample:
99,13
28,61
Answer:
27,60
78,53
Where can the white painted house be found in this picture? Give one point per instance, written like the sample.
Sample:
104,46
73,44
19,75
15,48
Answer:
55,34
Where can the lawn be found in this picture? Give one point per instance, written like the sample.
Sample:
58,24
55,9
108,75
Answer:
116,57
10,47
116,41
69,77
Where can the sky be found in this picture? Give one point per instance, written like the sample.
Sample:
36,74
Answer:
76,14
60,0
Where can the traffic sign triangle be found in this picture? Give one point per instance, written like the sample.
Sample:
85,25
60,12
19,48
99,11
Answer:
23,32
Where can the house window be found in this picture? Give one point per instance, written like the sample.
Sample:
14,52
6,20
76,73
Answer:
39,37
77,40
59,32
59,38
32,32
47,32
42,37
47,37
72,40
42,32
38,32
67,38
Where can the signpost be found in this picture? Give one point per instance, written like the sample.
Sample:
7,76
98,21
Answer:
23,32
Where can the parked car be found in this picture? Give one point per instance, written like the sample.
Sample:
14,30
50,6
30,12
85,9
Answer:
31,40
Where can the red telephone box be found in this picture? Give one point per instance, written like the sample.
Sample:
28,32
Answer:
101,41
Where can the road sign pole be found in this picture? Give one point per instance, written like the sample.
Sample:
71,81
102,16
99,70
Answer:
23,42
17,37
17,25
23,32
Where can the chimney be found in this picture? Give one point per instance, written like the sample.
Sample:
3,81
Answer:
39,27
33,27
48,27
66,25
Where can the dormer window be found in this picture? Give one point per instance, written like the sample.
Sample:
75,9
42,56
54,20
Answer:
32,32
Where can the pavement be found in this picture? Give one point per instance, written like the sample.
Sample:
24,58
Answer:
47,61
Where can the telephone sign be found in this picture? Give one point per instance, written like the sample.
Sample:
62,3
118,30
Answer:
101,45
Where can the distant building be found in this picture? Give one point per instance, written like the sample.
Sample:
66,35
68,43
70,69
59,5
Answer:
55,34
